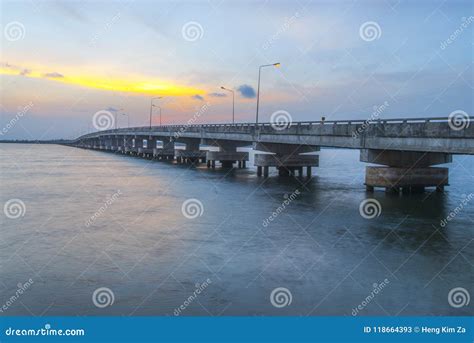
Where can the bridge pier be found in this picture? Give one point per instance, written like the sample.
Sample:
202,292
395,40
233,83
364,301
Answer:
96,144
102,143
191,154
164,150
146,148
137,142
408,171
120,144
106,143
129,143
113,144
287,159
227,154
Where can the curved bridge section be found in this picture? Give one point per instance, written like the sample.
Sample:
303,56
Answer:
405,149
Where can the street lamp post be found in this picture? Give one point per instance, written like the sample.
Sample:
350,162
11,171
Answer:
258,88
159,107
151,106
115,115
233,102
128,119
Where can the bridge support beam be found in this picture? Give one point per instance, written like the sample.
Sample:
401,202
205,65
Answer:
287,159
409,171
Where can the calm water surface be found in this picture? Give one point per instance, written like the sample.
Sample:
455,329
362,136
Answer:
139,244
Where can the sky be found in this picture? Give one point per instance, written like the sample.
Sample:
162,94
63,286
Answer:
64,61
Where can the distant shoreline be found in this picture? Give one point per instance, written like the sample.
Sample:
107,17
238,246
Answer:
24,141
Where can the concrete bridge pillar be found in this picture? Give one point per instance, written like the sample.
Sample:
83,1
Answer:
163,149
227,154
116,143
96,143
409,171
102,143
120,144
286,158
129,143
192,152
137,145
110,143
145,149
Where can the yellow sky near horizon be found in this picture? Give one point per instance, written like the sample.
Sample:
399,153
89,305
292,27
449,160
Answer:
124,83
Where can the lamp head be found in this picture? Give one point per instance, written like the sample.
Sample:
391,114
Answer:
278,64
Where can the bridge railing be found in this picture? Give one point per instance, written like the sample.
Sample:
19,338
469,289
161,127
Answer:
177,127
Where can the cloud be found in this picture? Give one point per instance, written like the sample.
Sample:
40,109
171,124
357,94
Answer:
198,97
217,95
20,70
246,91
8,66
53,75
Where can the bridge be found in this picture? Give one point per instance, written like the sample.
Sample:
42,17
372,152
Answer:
404,150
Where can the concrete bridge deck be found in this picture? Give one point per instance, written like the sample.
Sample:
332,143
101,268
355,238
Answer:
407,147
